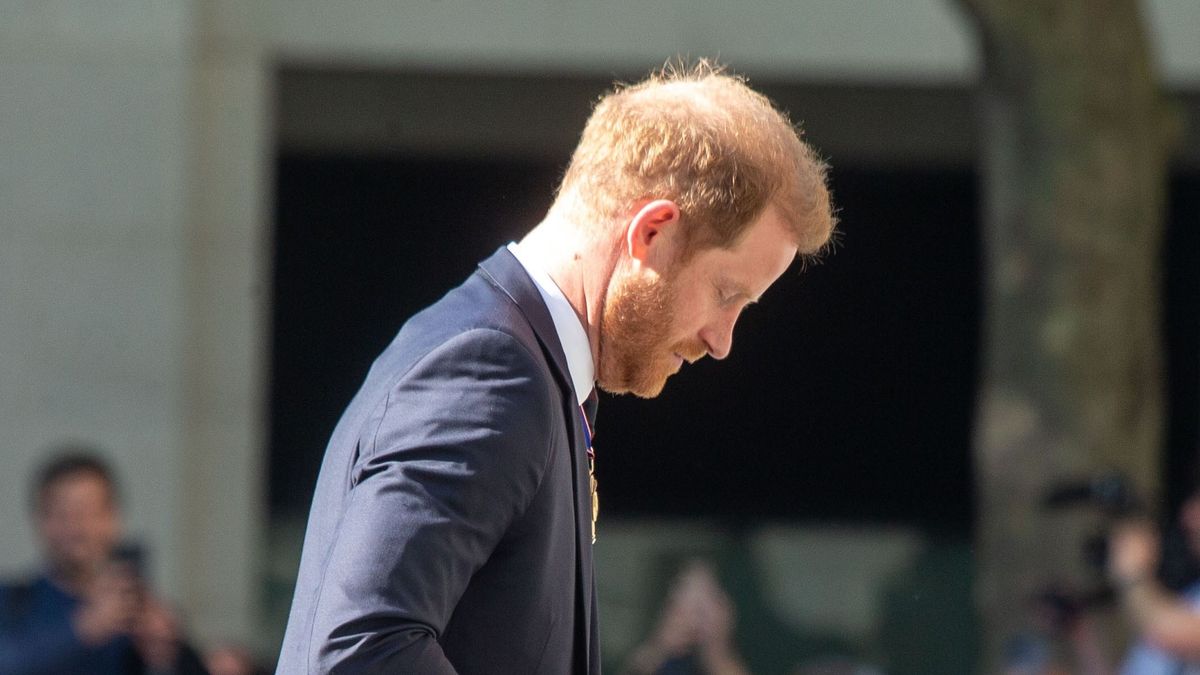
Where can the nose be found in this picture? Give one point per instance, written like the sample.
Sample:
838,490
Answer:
718,337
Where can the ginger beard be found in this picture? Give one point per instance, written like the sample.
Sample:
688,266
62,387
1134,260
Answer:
636,350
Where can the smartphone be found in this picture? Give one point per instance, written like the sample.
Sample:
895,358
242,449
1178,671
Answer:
132,556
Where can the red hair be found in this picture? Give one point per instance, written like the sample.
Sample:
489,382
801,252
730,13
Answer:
705,140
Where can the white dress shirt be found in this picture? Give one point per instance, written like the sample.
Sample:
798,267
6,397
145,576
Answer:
570,331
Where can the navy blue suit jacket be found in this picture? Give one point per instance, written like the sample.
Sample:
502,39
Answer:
450,530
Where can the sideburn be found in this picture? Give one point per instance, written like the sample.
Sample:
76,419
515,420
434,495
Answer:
634,334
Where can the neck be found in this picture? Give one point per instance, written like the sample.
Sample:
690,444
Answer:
580,264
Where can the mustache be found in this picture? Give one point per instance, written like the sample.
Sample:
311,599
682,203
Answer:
691,350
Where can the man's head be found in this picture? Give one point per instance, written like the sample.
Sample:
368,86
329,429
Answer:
75,510
660,312
709,193
703,139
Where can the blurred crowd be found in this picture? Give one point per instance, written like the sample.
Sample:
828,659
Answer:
1157,599
1154,598
694,634
89,607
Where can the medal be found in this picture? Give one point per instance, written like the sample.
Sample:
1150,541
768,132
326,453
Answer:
591,455
595,497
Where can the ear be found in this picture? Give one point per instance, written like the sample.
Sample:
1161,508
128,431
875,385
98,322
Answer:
644,238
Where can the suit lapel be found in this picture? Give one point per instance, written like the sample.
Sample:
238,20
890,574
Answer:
504,271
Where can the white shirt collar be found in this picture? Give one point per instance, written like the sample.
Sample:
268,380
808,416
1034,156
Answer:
570,331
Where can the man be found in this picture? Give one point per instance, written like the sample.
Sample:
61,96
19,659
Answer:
1168,624
452,524
87,612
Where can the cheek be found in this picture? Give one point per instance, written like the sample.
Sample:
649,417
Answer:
704,315
690,311
52,529
104,528
1190,517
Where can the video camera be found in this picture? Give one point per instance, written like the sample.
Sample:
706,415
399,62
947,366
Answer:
1110,493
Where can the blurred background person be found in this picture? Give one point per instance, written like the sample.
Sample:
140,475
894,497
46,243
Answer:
1062,638
1167,622
231,658
694,634
88,609
836,665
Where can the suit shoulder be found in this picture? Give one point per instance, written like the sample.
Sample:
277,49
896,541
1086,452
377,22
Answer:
475,311
483,389
482,366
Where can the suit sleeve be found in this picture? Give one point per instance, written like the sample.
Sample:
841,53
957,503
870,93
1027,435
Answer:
455,454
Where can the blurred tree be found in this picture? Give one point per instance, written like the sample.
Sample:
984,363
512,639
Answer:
1076,138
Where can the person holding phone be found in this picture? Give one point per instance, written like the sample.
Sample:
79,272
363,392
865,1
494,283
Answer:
1167,622
88,609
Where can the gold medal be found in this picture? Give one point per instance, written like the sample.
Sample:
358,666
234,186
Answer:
591,455
595,497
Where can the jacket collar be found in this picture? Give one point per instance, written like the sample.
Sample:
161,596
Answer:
505,272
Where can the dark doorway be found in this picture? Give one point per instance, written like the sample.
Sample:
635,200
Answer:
849,393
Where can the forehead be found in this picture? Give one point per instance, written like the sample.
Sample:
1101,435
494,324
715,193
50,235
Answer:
75,487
